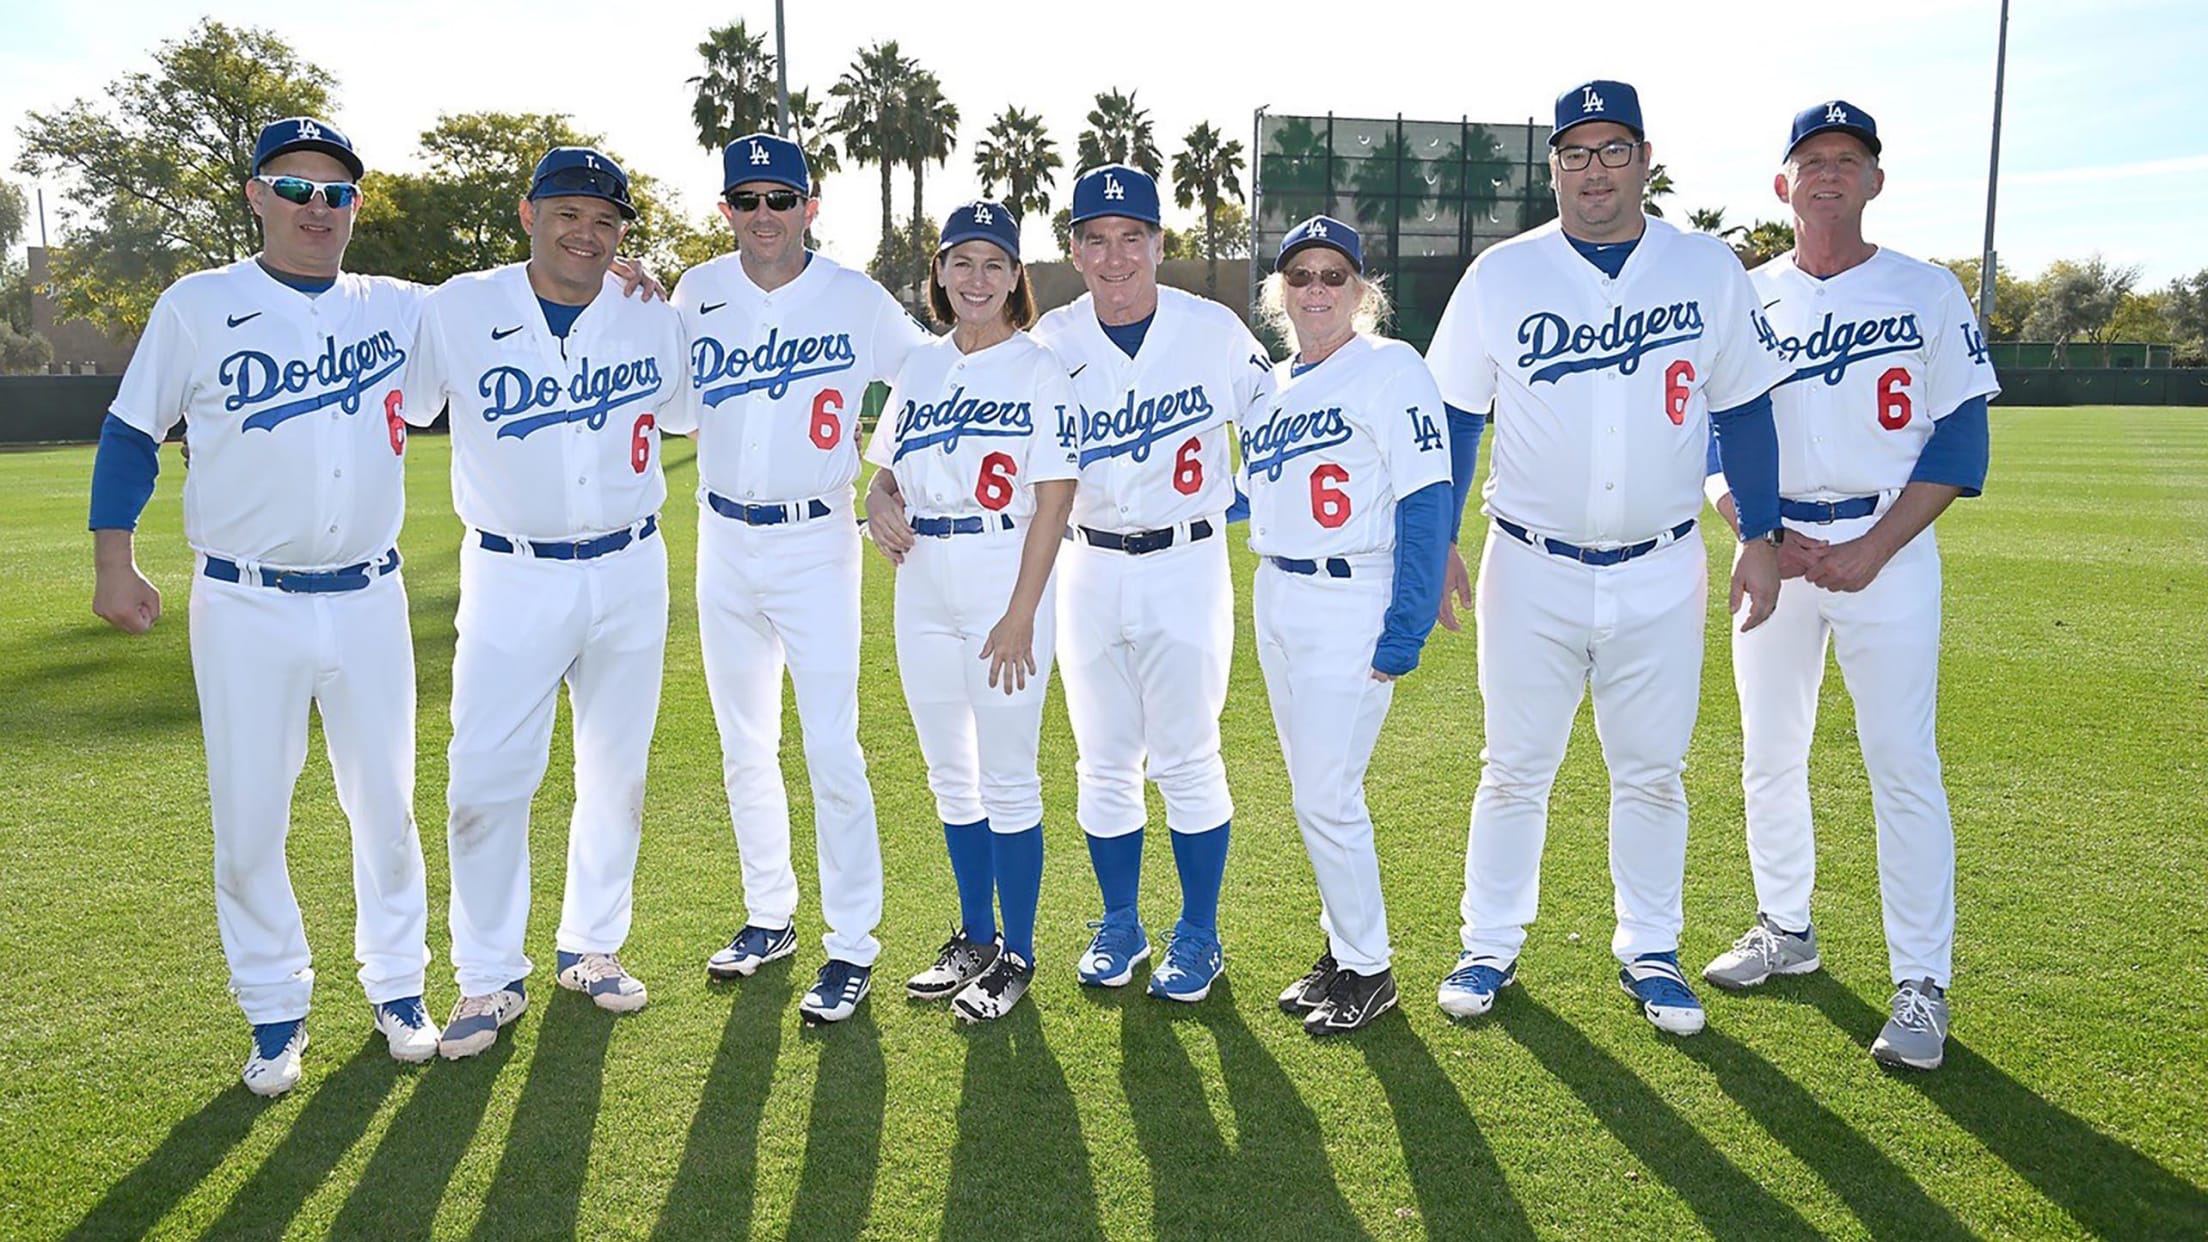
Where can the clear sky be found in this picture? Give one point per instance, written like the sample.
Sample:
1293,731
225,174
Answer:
2103,142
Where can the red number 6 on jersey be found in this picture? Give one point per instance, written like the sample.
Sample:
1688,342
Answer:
392,402
1893,403
1329,503
826,426
1188,468
640,443
1676,378
994,490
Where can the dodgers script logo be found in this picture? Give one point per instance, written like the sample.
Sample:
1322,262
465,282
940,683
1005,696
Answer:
1137,424
1268,448
341,372
1619,343
1832,347
774,364
946,422
594,391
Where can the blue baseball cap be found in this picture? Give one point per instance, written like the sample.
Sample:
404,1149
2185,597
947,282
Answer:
305,133
1115,190
982,220
1599,100
1323,231
1833,114
765,157
581,172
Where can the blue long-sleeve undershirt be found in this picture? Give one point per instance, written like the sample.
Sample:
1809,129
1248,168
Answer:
1746,444
1464,460
123,470
1421,535
1959,451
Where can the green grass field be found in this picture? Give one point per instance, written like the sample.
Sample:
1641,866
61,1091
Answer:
2075,731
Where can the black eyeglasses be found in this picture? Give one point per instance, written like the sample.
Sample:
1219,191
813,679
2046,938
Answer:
1616,154
582,181
1332,277
776,200
338,194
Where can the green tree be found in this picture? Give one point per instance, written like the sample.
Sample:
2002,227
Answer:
1208,172
1294,173
2012,298
2078,302
1473,172
1391,181
2185,307
1230,236
910,246
1764,241
930,124
21,350
736,94
1659,187
868,117
1711,220
1018,155
1120,133
154,176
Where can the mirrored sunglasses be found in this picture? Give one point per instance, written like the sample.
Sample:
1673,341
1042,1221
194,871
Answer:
338,194
776,200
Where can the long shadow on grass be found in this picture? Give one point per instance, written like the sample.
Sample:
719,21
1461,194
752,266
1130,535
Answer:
539,1184
714,1188
195,1147
398,1193
1021,1167
1881,1194
1729,1202
843,1146
333,1120
2108,1187
1460,1185
1278,1169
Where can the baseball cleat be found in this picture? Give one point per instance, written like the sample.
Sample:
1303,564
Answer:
1916,1036
274,1066
1307,993
1114,952
836,991
1352,1001
602,978
750,949
996,990
959,962
1655,981
476,1020
406,1028
1469,990
1764,950
1193,962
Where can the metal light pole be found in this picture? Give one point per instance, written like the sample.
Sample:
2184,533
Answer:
782,69
1257,203
1986,260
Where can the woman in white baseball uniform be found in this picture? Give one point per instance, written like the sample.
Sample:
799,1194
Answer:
1348,483
970,503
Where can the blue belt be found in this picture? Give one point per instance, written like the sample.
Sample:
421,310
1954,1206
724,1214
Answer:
573,549
1592,556
766,515
944,527
350,578
1141,541
1334,566
1828,510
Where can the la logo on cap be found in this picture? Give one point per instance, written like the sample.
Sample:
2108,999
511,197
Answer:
981,214
309,131
1835,114
1318,228
1112,187
1590,101
759,155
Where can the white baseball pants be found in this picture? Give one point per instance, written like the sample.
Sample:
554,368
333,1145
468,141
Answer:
789,594
1548,628
1315,638
259,657
525,626
1887,637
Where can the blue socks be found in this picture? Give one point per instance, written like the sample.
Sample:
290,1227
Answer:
1118,863
1018,857
971,864
1202,859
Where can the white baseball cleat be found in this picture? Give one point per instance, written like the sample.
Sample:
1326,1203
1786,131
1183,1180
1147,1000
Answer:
273,1068
602,978
1654,979
1470,989
406,1028
476,1020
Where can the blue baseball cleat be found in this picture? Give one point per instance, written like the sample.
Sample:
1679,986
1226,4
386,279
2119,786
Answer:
1193,962
1654,979
1117,948
274,1066
1469,990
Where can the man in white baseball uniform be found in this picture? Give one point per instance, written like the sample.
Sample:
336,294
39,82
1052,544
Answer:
783,343
1145,604
1608,344
558,387
285,370
1882,425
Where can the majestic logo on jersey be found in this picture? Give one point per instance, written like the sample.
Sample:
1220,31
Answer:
1974,341
592,394
946,422
1568,347
774,364
1269,447
341,374
1589,101
1139,423
1834,346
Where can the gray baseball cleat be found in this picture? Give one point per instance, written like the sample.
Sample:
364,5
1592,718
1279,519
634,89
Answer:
1762,951
1916,1036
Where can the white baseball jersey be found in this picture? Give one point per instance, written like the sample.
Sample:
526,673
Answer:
1879,353
780,376
971,434
1602,388
551,438
1343,442
1152,433
291,410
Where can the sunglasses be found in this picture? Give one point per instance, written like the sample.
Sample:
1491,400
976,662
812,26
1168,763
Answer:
776,200
1332,278
338,194
582,181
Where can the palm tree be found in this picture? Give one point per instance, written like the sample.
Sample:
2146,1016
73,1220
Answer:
1019,155
736,93
1659,186
1766,241
1389,185
1711,220
1207,171
930,124
813,137
868,117
1120,133
1294,173
1472,172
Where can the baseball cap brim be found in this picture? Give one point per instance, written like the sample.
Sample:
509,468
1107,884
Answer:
1558,136
1281,264
1866,137
340,154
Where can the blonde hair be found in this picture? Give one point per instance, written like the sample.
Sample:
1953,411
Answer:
1374,309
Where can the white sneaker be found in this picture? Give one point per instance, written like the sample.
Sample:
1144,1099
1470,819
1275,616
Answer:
274,1066
602,978
1764,950
1916,1036
407,1029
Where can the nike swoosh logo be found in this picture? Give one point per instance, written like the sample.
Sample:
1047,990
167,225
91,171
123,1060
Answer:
1077,370
1773,302
710,307
235,320
499,335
